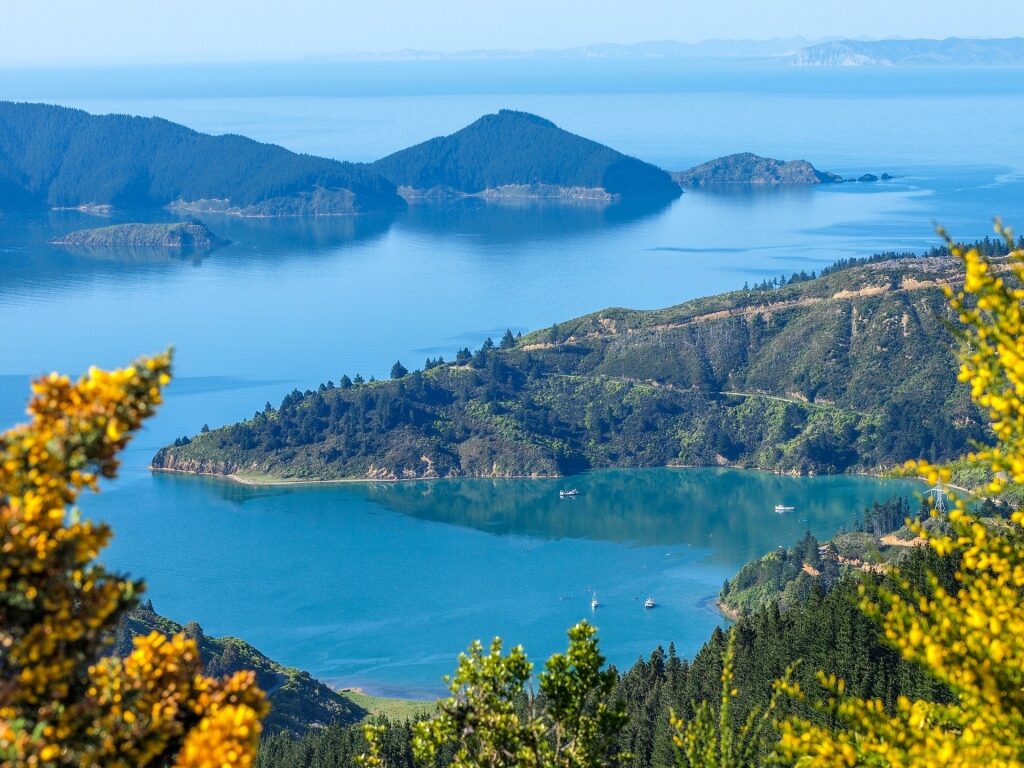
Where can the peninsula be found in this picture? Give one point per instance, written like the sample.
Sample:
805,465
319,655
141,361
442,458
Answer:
518,155
852,370
183,236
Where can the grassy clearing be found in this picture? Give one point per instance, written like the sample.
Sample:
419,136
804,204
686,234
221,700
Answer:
393,709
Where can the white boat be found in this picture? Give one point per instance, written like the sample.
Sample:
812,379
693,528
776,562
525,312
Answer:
569,493
780,508
593,601
649,602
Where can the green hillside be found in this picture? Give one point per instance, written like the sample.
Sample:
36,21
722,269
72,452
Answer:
517,149
851,371
298,702
59,157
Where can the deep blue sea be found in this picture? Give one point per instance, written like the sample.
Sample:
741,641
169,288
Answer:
382,585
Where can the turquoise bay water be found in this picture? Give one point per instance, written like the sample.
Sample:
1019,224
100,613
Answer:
381,585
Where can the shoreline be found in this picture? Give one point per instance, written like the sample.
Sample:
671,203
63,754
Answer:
270,481
729,613
259,481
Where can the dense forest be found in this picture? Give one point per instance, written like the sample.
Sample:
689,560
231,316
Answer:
55,156
787,576
536,152
851,370
826,631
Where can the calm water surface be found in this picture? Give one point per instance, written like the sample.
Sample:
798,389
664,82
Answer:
381,585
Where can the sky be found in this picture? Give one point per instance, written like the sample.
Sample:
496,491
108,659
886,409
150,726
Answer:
34,32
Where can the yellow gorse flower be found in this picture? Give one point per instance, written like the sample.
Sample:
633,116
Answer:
972,638
61,701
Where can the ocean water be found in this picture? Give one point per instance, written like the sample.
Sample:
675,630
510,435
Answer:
381,585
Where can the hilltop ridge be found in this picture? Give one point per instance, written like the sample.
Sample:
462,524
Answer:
514,154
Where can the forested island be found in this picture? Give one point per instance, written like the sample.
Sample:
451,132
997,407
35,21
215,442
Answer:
185,236
748,168
53,156
518,155
64,158
851,370
57,157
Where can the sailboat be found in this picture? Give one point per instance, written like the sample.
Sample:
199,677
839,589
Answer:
593,600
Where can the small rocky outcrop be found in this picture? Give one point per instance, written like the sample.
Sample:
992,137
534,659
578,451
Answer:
191,236
748,168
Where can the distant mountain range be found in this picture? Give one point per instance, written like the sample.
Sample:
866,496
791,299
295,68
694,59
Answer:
795,50
951,51
656,49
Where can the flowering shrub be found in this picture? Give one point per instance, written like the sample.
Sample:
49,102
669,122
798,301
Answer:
970,638
61,701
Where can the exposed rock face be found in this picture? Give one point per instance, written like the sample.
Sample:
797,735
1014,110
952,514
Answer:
511,192
748,168
319,202
166,459
179,235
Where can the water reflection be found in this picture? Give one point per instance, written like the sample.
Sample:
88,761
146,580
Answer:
521,221
727,511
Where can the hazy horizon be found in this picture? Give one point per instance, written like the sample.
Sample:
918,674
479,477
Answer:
61,33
